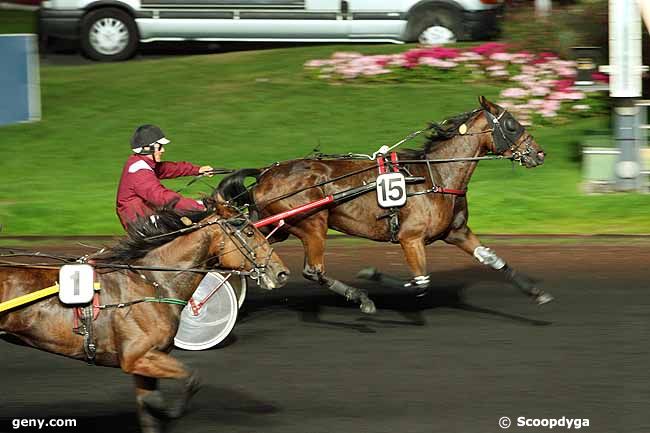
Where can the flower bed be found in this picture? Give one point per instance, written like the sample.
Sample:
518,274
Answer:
541,85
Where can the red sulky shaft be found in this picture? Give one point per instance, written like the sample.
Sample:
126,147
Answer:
291,212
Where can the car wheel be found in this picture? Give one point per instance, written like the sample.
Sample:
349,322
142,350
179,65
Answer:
108,35
437,27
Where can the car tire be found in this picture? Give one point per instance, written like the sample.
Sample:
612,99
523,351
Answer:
437,26
108,35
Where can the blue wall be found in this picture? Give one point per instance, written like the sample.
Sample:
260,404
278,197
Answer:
19,79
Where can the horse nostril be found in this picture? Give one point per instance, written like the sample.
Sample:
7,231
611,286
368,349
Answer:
541,155
283,277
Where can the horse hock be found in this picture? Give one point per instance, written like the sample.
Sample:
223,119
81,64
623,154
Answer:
489,258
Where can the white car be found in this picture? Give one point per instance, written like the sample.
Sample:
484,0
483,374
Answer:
110,30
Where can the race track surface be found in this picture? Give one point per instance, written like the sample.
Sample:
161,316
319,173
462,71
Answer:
303,360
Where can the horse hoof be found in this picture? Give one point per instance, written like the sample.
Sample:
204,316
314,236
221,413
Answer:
154,404
192,386
369,274
421,292
368,307
544,298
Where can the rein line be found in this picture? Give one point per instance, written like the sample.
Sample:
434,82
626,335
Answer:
409,161
8,264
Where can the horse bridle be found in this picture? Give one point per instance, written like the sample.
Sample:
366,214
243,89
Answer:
232,228
506,131
235,229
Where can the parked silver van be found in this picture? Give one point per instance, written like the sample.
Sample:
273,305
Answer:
110,30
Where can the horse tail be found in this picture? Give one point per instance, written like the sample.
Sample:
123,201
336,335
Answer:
232,187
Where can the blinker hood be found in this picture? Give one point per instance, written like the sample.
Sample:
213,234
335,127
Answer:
505,130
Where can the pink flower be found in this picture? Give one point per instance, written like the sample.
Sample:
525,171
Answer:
574,96
489,48
563,85
550,105
544,58
502,57
536,103
566,72
514,92
316,63
437,63
528,70
344,55
521,58
539,90
469,56
522,78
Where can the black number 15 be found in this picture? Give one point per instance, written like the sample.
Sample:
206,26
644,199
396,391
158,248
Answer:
394,188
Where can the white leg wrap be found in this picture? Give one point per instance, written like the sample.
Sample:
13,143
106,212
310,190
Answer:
488,257
419,281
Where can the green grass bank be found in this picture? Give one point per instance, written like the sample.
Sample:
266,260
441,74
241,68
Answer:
245,109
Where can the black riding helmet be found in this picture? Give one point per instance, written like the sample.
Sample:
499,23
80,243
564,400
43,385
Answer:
144,138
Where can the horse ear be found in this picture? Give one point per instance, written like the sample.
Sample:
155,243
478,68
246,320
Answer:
218,197
492,108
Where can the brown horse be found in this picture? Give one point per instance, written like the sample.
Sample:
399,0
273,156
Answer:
138,337
428,215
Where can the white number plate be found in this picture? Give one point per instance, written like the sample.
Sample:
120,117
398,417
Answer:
76,284
391,190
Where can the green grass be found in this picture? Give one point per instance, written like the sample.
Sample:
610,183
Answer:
245,109
16,21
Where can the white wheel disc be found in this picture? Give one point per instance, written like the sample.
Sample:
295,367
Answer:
436,35
108,36
241,291
216,317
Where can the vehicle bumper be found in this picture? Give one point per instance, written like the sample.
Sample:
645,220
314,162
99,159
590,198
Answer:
481,24
59,23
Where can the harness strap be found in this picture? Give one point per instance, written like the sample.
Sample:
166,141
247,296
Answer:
381,164
439,190
394,161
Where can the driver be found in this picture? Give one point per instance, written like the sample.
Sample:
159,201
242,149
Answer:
140,191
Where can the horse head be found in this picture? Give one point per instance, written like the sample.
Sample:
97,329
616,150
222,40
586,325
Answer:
509,138
240,245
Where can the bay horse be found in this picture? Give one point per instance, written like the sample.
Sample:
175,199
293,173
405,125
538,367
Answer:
437,211
138,338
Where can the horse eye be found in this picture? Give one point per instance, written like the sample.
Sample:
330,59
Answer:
250,233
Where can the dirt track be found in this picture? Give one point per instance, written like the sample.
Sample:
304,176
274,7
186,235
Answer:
302,360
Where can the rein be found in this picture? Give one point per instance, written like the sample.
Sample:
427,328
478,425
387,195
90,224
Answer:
375,166
517,155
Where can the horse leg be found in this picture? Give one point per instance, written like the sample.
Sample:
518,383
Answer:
146,390
467,241
314,269
159,365
417,262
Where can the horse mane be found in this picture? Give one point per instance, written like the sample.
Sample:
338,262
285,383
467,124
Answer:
138,244
442,131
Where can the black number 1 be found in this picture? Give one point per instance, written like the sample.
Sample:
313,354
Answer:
75,278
